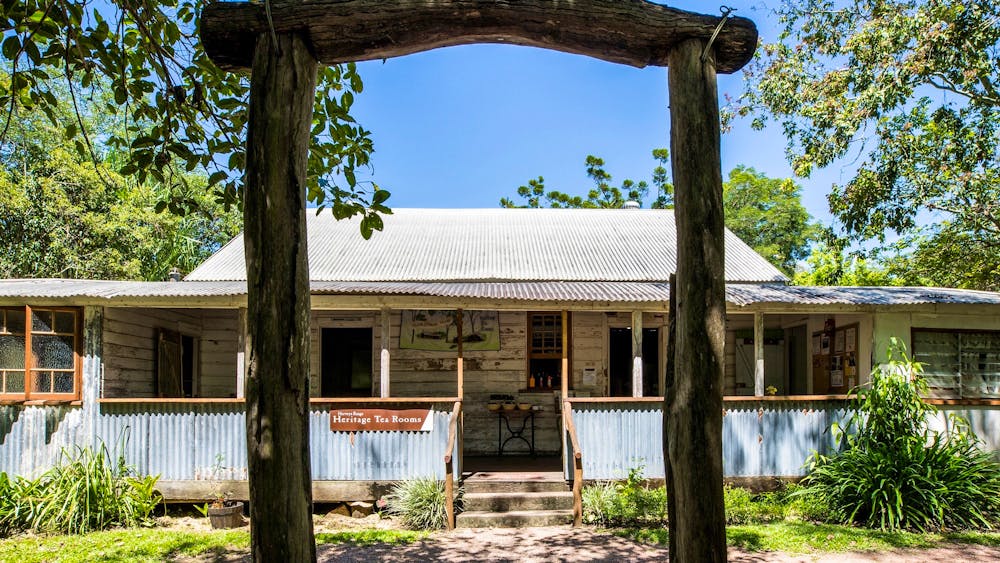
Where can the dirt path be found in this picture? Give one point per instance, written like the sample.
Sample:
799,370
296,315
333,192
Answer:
582,544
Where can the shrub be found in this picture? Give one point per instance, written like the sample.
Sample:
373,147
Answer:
894,472
420,503
622,503
83,492
743,507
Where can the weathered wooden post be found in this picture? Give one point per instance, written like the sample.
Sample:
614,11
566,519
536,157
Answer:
693,408
282,93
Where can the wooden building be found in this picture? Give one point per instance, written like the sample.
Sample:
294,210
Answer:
447,311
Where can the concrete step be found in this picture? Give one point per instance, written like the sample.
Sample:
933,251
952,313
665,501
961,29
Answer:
519,501
513,484
515,519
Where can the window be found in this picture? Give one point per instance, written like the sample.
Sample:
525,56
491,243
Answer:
620,362
175,364
346,359
959,364
52,368
545,351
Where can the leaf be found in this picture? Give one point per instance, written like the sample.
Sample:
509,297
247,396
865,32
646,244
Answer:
11,46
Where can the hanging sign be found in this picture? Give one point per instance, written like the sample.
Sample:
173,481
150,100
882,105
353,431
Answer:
381,420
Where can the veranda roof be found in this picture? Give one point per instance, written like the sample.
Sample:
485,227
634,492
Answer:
222,293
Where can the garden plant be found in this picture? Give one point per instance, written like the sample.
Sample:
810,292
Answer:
894,472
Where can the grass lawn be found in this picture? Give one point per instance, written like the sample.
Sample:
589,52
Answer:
805,537
157,544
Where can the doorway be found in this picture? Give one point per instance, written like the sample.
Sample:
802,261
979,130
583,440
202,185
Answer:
620,362
346,358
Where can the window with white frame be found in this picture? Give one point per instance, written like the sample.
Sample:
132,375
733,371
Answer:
959,364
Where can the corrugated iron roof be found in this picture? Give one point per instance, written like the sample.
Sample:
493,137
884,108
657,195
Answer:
108,289
442,245
738,295
754,294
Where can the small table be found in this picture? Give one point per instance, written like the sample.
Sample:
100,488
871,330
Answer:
504,418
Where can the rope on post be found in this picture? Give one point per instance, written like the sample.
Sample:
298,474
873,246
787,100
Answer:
726,11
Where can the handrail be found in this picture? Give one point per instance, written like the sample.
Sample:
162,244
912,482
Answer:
570,428
725,399
449,468
366,401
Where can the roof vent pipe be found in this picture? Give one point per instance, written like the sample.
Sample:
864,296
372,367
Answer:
174,275
630,204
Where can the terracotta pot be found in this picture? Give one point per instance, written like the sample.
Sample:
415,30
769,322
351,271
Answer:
226,516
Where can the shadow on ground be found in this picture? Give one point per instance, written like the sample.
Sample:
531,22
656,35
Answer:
502,544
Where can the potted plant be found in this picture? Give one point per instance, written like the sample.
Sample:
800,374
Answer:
224,513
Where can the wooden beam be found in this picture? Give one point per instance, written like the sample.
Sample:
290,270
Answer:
758,354
323,491
637,353
241,351
460,361
632,32
694,413
564,369
385,339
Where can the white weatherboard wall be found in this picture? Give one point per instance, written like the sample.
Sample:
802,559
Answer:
421,373
899,325
129,341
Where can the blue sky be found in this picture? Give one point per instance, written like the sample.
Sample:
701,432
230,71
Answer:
465,126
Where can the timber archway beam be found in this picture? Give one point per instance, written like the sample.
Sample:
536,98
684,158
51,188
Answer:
632,32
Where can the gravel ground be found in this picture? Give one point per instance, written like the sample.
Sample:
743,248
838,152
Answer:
556,543
559,543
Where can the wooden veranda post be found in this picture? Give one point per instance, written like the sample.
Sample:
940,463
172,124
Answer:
693,408
282,92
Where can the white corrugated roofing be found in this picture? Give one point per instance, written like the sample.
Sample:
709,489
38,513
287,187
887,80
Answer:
623,245
738,295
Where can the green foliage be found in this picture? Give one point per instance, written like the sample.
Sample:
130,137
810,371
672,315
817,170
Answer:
908,89
829,264
744,507
624,503
420,503
766,213
174,111
65,215
603,195
895,473
84,492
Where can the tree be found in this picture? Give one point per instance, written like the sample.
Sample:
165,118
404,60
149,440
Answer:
909,89
766,213
603,195
63,215
178,112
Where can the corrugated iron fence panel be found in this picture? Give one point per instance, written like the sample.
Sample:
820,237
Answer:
377,456
759,438
221,438
180,441
741,440
33,438
983,420
792,431
616,439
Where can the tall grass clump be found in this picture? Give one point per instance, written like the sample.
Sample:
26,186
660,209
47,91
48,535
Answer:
894,472
85,491
623,503
419,503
